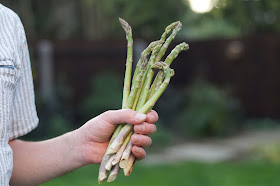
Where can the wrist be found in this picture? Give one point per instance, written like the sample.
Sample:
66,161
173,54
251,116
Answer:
74,144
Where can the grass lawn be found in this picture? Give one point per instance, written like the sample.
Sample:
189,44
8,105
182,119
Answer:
184,174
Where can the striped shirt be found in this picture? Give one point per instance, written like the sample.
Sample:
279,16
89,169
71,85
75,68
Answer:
17,105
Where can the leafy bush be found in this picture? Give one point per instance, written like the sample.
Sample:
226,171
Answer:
105,93
168,107
210,111
161,138
269,152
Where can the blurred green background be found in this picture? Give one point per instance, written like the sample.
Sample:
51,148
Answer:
225,94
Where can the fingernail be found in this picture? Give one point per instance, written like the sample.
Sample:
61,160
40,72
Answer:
140,117
153,118
138,150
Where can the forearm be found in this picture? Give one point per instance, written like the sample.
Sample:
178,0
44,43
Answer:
38,162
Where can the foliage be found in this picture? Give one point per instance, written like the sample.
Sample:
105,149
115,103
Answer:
260,123
105,93
210,111
161,138
208,26
189,173
269,152
148,18
169,107
251,16
95,19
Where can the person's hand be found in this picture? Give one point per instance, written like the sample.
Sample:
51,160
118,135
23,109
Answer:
93,137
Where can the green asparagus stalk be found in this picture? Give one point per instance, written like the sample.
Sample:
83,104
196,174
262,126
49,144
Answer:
143,56
103,173
137,83
127,78
158,80
148,50
175,52
168,41
169,59
116,144
130,102
139,95
151,102
148,79
148,106
168,29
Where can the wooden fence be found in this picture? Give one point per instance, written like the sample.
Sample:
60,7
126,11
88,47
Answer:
249,65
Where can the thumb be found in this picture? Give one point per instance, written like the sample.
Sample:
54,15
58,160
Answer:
122,116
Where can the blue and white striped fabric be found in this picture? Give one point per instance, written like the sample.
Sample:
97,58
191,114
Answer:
17,105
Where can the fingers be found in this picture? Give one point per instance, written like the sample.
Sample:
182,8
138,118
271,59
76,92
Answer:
145,128
141,140
152,117
138,152
129,116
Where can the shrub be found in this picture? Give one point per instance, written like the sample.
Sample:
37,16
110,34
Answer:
105,93
210,111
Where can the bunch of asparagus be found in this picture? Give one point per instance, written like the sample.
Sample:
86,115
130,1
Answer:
140,94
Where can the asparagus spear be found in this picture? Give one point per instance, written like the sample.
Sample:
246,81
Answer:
103,173
109,164
127,78
126,154
118,155
169,59
136,95
144,55
127,170
149,105
168,29
148,79
168,41
137,84
116,144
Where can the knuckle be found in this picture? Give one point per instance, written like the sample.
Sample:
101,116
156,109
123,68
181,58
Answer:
106,114
150,129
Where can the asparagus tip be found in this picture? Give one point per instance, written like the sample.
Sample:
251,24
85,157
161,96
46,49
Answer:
172,72
126,26
160,65
185,46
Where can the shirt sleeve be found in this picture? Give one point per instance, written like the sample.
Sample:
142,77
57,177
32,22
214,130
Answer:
23,114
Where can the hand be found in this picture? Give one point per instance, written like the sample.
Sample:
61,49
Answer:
94,136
